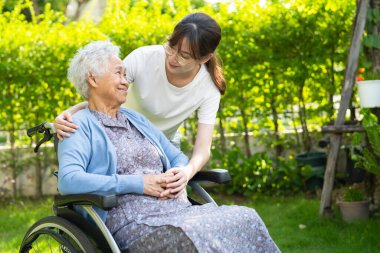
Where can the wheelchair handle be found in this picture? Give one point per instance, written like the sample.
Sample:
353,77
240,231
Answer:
40,129
46,128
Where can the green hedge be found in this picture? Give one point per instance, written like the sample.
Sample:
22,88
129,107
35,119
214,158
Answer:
283,63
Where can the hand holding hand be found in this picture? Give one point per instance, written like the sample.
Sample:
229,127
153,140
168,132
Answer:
154,185
62,124
177,182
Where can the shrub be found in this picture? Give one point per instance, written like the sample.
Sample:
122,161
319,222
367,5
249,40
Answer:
257,173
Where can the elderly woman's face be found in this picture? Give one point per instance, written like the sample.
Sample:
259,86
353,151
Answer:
112,86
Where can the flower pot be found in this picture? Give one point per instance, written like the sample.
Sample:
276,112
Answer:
369,93
355,210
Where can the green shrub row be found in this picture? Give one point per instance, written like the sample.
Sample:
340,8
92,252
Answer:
283,61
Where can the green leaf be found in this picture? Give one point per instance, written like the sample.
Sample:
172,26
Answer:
372,41
375,15
357,138
370,162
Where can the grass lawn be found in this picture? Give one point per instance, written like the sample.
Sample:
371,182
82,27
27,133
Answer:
293,223
15,219
295,226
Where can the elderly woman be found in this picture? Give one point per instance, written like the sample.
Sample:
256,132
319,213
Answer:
117,151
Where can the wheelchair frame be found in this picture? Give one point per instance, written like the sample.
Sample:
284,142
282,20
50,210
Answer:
68,221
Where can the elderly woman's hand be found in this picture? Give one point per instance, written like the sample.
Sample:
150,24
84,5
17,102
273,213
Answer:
176,183
154,185
63,124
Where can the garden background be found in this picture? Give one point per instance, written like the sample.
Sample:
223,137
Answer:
284,63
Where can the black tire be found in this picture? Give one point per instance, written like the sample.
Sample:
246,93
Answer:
55,234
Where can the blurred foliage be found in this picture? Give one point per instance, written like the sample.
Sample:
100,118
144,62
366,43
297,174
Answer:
257,174
283,60
368,143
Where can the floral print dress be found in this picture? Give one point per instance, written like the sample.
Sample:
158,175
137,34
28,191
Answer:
146,224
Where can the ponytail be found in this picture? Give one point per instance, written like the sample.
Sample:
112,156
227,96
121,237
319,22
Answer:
216,72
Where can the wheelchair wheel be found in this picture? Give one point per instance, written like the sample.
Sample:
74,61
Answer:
55,234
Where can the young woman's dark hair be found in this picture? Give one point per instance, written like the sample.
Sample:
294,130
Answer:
203,34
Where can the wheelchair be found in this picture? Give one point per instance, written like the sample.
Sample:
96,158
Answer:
69,232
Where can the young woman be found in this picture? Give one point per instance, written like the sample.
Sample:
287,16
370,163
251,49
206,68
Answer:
171,82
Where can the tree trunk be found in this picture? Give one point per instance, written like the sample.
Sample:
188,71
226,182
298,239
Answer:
223,142
295,128
246,136
88,9
36,8
13,163
278,147
302,112
38,173
331,95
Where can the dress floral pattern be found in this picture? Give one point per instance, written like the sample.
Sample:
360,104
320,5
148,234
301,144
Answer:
146,224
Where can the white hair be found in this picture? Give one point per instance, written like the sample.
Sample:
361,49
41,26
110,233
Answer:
91,59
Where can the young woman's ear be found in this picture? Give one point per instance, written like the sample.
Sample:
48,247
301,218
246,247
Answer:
91,80
206,58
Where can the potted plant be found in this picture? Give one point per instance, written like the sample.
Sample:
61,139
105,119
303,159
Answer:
354,205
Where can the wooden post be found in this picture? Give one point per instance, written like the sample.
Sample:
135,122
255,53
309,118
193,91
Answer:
349,78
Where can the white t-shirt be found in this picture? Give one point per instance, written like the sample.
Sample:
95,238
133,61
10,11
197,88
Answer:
164,104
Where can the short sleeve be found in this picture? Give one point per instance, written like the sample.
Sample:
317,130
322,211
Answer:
208,109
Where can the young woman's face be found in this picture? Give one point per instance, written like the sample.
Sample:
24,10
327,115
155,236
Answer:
178,62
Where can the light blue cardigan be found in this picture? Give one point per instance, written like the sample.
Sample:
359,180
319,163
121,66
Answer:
87,160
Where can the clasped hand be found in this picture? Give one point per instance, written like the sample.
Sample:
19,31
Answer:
167,185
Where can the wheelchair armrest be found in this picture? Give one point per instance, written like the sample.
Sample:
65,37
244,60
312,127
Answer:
215,175
104,202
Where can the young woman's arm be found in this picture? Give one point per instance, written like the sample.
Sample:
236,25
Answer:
201,155
63,122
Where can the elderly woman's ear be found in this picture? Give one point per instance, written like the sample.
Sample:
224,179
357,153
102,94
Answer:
91,80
